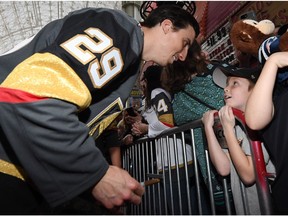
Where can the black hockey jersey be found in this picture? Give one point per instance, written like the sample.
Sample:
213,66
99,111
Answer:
82,66
101,47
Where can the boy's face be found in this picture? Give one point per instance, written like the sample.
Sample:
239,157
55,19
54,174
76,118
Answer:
236,92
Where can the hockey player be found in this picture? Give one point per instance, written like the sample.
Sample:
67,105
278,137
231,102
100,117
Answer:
75,73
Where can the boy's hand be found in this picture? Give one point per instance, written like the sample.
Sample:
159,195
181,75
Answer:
227,117
208,118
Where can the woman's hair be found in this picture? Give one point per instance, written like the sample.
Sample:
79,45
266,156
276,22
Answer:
180,72
152,75
177,15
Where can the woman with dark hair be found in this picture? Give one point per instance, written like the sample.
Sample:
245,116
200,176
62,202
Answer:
155,97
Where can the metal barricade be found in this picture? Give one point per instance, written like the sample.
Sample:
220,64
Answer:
168,166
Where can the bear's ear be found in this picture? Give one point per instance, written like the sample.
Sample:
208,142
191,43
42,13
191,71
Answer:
244,36
267,27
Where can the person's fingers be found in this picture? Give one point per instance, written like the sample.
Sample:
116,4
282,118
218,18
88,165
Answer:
136,199
117,187
134,190
139,191
136,187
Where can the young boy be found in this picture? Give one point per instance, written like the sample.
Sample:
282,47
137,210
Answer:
268,113
236,160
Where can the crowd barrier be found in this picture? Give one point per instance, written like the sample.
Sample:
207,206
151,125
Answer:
185,184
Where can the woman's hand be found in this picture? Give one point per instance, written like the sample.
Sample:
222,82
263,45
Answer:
139,128
132,119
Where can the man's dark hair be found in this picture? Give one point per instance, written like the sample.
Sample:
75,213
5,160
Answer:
178,16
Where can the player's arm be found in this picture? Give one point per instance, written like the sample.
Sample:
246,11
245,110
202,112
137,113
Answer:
61,158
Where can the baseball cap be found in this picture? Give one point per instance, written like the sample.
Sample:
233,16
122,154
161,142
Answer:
224,70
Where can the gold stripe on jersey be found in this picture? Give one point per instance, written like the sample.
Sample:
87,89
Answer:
97,130
46,75
167,119
96,127
11,169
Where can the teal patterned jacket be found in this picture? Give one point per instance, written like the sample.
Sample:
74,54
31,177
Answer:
187,109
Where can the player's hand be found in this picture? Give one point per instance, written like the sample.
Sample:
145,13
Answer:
117,187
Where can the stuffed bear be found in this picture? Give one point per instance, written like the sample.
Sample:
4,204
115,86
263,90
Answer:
258,39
